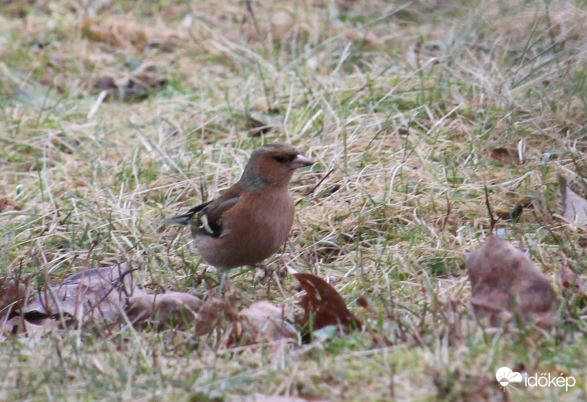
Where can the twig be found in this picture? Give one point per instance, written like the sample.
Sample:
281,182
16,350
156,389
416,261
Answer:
492,220
448,211
310,191
252,14
114,284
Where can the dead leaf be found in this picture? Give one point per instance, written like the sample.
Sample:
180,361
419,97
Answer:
19,326
323,305
165,310
182,310
261,322
134,87
116,31
363,301
121,31
6,203
505,155
12,296
505,282
261,123
87,297
575,206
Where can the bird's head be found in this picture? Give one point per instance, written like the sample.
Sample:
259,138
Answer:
273,164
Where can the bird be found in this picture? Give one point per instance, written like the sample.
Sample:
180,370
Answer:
252,219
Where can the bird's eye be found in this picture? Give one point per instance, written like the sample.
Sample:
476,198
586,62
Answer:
281,158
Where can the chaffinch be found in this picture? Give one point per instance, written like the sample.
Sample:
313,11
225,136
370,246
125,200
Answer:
251,220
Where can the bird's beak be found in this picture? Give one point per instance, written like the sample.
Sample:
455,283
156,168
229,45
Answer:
301,161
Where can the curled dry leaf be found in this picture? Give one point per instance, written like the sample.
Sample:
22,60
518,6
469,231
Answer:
165,310
505,155
87,297
575,206
262,123
6,203
105,295
213,310
121,31
181,310
363,301
132,88
323,305
116,31
505,282
261,322
19,325
13,293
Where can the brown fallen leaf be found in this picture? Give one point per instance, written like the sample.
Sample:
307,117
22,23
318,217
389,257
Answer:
134,87
116,31
323,305
505,282
86,298
6,203
261,123
505,155
122,31
213,312
575,206
182,310
165,310
260,322
19,326
13,293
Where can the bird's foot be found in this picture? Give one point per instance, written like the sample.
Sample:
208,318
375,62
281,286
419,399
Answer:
267,275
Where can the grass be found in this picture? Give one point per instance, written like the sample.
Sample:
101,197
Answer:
404,101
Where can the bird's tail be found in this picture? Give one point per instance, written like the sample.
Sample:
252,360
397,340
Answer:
184,219
181,220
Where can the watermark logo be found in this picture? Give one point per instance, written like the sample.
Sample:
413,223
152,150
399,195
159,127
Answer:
506,378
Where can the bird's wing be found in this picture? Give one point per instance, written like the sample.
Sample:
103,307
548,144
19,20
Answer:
185,218
211,217
210,213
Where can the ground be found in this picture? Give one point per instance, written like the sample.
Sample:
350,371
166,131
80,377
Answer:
417,107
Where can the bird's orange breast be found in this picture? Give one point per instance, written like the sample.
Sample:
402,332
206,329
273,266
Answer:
253,230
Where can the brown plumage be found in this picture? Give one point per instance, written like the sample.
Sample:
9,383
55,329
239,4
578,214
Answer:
251,220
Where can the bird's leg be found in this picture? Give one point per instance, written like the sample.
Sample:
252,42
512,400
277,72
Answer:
223,273
268,272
